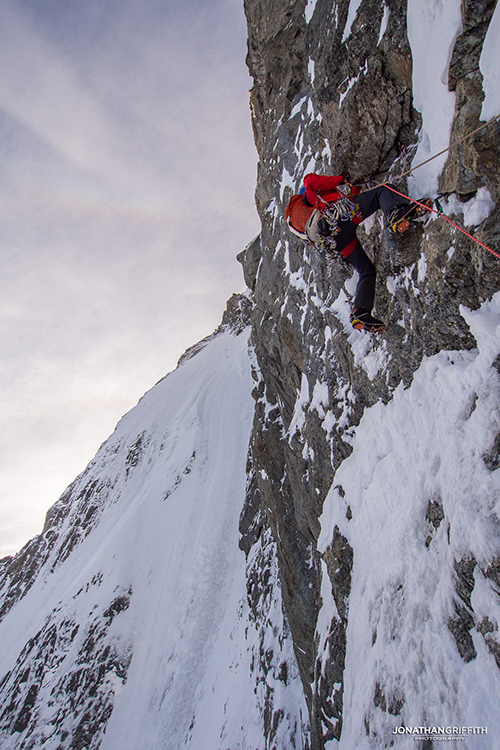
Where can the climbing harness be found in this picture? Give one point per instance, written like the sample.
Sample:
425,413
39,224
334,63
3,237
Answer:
343,209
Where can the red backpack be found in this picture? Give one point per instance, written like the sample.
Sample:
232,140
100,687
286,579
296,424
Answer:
297,215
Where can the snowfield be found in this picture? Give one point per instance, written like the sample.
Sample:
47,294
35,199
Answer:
166,547
432,31
417,459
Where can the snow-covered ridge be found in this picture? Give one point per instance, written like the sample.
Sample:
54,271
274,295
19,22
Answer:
139,628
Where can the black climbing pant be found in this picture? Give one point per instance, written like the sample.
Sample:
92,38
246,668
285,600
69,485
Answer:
365,289
368,203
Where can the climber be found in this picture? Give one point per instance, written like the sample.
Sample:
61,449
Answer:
324,213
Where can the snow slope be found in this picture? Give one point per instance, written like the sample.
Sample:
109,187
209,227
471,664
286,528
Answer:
433,26
423,501
489,68
159,583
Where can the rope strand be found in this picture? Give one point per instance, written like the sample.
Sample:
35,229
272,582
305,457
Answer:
440,214
452,145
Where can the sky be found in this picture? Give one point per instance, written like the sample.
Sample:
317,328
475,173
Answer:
127,188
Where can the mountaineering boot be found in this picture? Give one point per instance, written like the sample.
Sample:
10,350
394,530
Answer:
399,217
363,320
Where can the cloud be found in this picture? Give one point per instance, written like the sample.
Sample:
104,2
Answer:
127,190
43,94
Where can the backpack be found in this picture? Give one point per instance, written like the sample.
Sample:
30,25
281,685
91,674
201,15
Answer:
297,214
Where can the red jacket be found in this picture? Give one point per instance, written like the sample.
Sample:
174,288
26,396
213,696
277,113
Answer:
320,189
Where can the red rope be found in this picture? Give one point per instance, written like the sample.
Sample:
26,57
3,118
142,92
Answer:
445,218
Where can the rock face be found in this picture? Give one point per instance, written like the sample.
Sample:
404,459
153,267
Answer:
361,593
326,99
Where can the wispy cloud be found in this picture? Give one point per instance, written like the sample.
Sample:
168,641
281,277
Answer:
127,189
44,94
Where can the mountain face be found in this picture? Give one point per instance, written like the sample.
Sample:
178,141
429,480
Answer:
293,540
127,622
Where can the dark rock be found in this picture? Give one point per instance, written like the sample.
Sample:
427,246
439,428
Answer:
250,259
434,516
435,513
468,46
465,578
460,627
492,457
